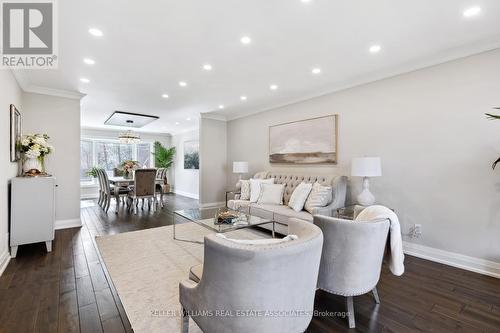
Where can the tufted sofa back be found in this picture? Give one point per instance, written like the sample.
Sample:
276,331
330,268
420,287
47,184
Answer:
291,181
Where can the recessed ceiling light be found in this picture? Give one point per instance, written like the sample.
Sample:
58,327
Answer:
316,70
221,106
95,32
375,48
164,95
245,40
273,87
207,67
305,1
177,123
89,61
183,84
243,98
473,11
84,80
188,119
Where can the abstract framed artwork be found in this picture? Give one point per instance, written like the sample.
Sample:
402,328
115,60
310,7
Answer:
15,133
191,155
310,141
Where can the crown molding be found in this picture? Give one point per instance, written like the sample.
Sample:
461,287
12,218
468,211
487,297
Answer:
437,59
213,116
27,86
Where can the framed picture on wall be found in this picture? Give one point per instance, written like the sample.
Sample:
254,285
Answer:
310,141
191,155
15,133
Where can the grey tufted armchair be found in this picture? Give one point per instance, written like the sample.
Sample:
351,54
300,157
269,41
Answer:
255,288
352,257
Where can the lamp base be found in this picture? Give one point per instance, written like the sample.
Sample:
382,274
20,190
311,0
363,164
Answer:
366,198
238,183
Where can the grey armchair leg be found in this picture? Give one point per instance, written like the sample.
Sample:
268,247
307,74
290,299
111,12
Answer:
375,295
350,311
184,321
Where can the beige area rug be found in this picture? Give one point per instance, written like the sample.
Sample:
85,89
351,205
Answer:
146,267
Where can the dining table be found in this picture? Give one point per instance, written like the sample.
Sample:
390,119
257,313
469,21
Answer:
126,182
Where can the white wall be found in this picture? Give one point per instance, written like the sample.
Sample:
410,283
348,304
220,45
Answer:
213,161
91,191
60,119
185,181
10,94
435,143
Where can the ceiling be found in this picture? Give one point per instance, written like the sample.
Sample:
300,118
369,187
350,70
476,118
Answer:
148,47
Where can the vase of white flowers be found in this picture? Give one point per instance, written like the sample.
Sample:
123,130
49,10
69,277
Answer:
34,148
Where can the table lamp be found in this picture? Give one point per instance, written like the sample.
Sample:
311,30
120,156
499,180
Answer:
366,167
240,168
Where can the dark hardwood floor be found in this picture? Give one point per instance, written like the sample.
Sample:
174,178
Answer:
69,289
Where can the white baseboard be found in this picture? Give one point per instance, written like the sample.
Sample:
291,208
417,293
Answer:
89,196
4,260
65,224
212,204
187,194
472,264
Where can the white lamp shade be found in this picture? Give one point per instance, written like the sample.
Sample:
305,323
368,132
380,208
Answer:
240,167
366,167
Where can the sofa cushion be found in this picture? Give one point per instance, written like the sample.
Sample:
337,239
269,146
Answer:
299,196
255,187
271,194
239,205
245,189
320,196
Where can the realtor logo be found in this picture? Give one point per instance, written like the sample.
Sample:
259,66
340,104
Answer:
28,34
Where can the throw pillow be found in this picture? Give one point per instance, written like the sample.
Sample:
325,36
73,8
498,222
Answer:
255,187
266,241
245,190
320,196
299,196
271,194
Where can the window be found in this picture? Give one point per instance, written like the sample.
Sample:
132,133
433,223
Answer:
109,154
86,160
144,154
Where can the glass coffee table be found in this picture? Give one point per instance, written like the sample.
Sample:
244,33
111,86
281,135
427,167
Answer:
205,217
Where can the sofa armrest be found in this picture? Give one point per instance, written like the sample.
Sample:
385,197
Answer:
339,188
326,211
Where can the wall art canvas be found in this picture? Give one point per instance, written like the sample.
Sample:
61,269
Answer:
191,155
311,141
15,133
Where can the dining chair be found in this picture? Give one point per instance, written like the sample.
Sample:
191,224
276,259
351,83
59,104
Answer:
100,200
144,188
108,191
118,172
161,173
351,259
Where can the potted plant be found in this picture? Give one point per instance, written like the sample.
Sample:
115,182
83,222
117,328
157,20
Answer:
164,158
92,172
34,148
494,117
128,168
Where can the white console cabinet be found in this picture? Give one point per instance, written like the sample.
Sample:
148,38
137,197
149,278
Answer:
32,212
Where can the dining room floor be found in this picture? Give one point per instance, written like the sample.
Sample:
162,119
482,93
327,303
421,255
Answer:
69,289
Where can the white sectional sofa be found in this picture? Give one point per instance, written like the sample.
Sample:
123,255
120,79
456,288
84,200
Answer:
281,213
